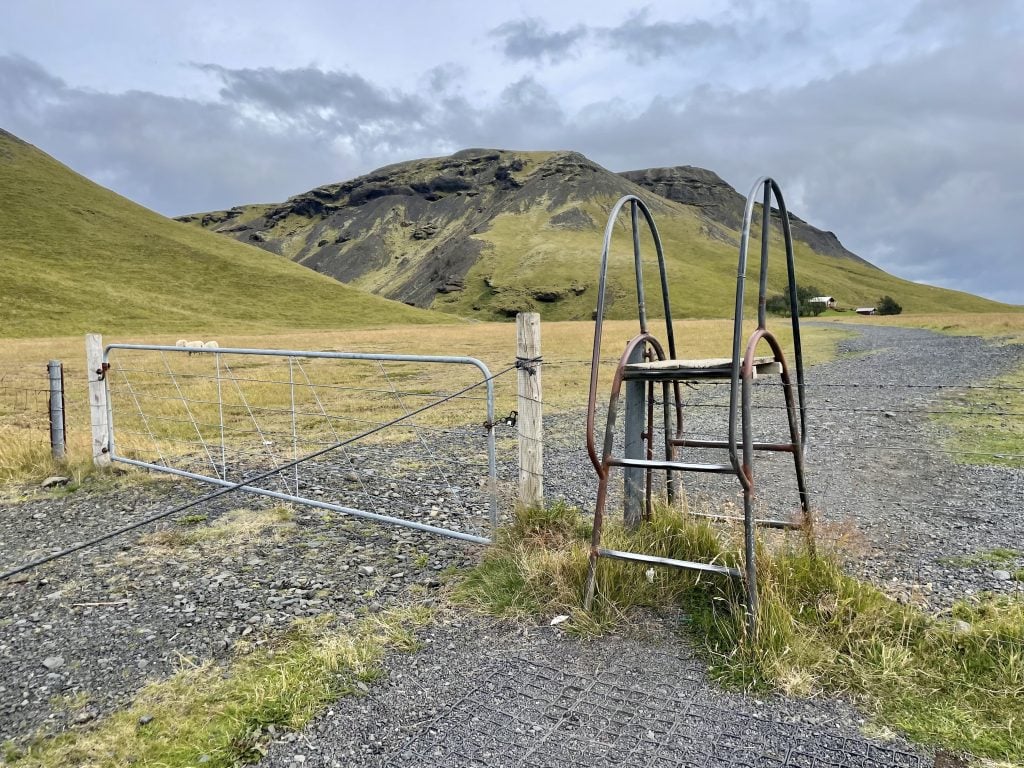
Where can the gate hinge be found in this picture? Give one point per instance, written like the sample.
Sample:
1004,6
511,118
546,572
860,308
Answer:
101,372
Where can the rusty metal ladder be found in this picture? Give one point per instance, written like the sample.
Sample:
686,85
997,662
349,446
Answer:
645,363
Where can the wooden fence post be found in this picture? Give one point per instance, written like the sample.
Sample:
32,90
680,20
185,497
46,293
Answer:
97,399
531,412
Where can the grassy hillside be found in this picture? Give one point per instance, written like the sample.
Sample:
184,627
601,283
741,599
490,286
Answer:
487,233
76,257
524,257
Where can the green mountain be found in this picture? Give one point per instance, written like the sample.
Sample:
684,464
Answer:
485,233
75,257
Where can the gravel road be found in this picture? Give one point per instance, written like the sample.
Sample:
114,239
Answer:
103,622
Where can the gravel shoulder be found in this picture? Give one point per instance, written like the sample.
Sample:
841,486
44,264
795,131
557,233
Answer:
79,636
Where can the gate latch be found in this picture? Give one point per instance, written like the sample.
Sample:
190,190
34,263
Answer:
508,421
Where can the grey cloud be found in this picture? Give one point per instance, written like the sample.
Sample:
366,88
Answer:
912,162
313,96
529,40
954,18
443,77
179,155
643,40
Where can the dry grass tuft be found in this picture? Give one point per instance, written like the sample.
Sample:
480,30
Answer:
233,529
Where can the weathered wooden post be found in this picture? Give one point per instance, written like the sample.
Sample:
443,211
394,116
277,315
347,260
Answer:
97,399
58,439
531,412
635,447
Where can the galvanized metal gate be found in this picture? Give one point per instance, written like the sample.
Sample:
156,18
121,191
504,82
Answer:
226,416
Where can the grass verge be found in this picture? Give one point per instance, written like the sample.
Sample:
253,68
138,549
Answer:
954,681
219,717
986,424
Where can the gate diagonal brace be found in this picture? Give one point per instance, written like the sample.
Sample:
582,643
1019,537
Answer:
246,483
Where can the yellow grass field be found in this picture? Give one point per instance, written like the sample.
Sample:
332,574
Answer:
566,346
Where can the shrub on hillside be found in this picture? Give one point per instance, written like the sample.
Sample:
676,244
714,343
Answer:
887,306
778,304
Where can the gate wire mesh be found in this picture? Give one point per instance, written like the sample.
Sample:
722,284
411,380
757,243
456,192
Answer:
413,442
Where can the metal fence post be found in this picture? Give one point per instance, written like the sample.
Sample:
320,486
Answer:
98,413
58,439
531,413
634,478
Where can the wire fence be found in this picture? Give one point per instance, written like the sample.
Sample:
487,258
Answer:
190,414
400,440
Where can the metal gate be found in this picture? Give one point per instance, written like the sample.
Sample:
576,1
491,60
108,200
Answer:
303,427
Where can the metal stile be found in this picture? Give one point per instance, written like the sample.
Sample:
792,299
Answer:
646,362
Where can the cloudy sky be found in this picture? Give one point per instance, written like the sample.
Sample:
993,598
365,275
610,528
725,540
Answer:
898,125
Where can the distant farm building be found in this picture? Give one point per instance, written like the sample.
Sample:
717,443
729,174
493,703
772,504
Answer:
865,310
828,301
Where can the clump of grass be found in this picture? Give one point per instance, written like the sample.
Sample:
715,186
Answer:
539,565
237,527
25,457
192,520
941,682
955,681
997,556
224,713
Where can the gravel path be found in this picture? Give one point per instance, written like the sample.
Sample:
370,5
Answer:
103,622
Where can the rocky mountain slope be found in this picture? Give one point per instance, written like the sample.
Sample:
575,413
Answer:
485,233
707,191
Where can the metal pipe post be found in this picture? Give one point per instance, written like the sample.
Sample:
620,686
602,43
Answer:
58,438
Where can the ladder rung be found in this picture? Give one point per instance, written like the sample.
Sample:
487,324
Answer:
674,465
653,560
757,446
761,522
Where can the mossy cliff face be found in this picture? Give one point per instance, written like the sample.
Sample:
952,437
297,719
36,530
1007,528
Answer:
485,233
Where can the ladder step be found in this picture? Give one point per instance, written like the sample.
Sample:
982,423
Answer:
653,560
682,370
674,465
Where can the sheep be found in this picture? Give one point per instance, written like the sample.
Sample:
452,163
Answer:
196,345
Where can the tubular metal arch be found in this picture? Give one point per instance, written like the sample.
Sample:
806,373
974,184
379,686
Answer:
646,361
636,205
